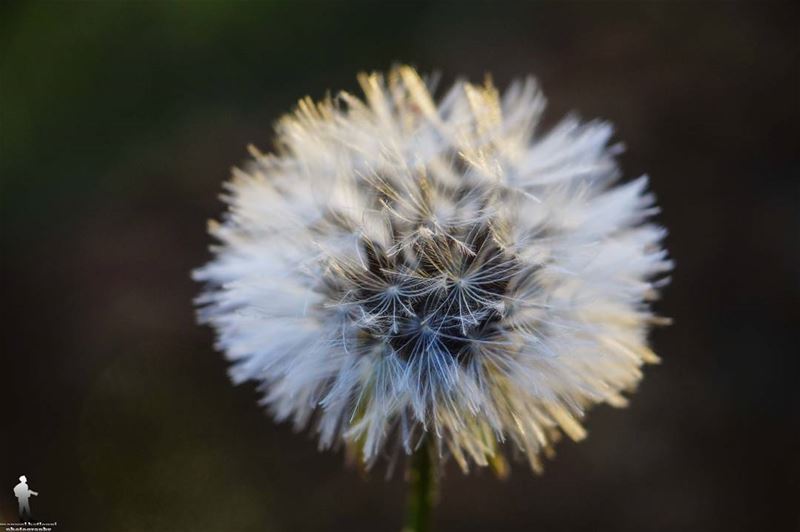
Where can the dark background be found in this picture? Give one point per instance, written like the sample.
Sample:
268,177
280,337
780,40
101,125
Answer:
121,120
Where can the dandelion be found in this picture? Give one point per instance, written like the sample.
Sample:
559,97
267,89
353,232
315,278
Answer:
403,274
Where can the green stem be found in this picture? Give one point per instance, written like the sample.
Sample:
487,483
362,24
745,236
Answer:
422,489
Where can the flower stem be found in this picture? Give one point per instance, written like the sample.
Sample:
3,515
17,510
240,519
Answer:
421,489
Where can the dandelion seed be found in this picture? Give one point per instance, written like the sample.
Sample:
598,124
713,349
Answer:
400,270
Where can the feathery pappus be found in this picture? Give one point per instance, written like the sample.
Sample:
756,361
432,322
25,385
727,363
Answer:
404,268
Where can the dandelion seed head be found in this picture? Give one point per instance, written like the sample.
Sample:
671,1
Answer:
401,268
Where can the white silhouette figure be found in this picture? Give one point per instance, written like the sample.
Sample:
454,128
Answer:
23,493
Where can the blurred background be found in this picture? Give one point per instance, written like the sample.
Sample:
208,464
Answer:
119,122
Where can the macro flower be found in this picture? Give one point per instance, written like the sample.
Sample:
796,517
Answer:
401,269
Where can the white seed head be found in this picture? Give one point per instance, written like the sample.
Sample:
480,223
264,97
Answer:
401,269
